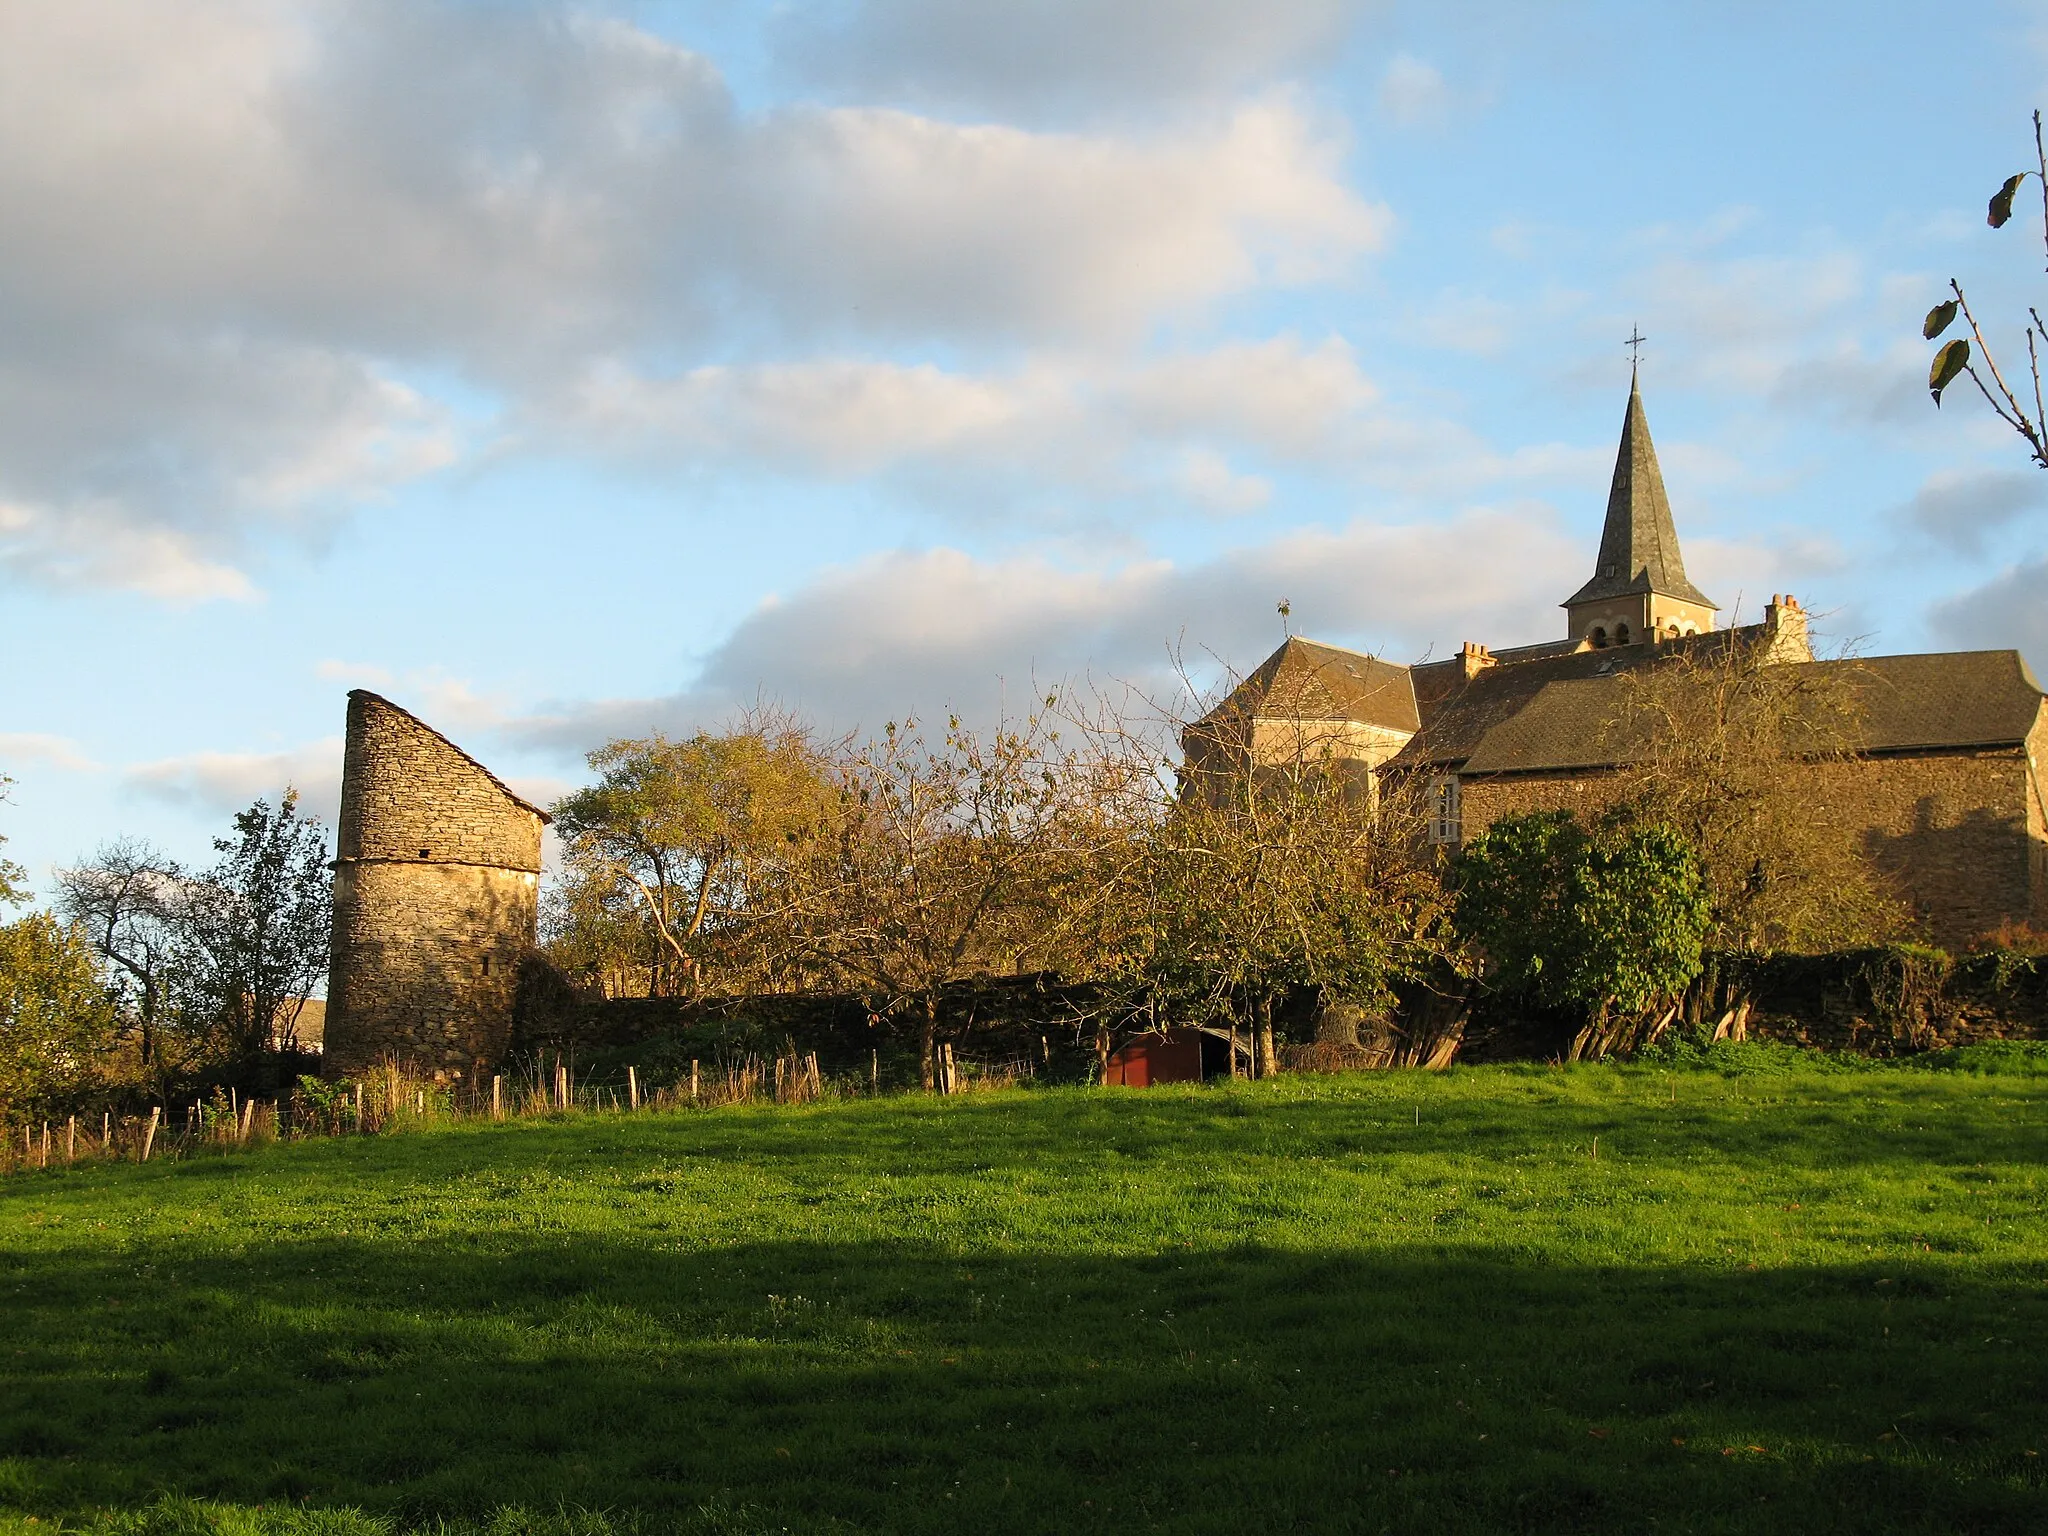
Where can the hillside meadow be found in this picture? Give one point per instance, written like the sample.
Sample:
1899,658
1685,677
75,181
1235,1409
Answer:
1758,1293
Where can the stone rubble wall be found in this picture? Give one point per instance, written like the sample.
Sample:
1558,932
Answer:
436,901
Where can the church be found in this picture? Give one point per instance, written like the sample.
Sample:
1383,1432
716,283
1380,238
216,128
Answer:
1940,778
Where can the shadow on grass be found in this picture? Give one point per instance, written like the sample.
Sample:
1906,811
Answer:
887,1386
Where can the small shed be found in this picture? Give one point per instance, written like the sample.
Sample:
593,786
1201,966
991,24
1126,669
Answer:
1180,1054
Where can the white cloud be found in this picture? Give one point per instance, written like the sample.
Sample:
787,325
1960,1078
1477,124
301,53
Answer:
222,783
1961,507
235,256
1153,430
2010,610
1412,91
97,544
919,631
1056,55
37,746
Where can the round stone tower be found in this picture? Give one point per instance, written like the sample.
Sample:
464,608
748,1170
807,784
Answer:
436,900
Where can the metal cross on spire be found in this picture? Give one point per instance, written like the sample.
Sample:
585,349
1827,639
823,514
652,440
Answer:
1636,338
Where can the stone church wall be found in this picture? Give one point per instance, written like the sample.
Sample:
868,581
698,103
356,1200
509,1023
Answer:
1962,831
436,901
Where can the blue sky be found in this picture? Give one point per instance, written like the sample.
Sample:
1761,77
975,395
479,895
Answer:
571,371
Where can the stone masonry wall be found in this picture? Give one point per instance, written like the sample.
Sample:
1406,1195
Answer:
1963,831
436,901
410,794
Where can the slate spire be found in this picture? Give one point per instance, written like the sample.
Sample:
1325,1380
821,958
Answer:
1639,545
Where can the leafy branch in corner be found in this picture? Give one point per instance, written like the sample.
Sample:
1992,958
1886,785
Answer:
1954,358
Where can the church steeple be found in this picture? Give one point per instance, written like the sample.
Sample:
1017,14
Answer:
1639,586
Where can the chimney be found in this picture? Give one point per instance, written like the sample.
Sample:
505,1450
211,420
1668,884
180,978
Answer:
1785,629
1474,659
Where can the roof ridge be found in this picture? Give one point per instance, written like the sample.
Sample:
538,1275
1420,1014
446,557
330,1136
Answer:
502,787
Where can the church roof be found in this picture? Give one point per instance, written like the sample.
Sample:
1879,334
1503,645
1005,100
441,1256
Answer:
1561,715
1307,680
1639,544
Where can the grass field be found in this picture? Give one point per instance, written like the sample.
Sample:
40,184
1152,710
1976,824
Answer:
1785,1300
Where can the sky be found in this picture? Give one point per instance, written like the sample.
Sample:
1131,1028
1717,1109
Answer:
572,371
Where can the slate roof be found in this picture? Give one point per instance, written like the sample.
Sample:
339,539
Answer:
1560,714
1307,680
1639,544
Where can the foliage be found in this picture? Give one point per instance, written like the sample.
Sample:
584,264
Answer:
674,847
253,933
12,892
56,1021
1954,358
1750,757
1240,896
1612,919
1200,1310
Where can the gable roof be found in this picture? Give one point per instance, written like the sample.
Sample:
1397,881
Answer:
1639,543
364,696
1307,680
1546,717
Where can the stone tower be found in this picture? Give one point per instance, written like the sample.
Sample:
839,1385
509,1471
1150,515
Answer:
1639,589
436,900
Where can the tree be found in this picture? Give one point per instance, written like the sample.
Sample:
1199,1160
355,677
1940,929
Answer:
1738,753
936,862
689,830
12,892
1601,923
129,900
56,1019
1244,891
1954,358
255,930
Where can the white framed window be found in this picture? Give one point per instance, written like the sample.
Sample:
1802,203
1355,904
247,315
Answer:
1445,812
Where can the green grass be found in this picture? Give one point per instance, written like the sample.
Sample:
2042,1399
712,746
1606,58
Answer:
1797,1298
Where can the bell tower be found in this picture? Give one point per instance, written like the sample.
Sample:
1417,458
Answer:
1639,589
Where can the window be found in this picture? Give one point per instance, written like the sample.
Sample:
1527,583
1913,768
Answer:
1621,634
1599,637
1445,811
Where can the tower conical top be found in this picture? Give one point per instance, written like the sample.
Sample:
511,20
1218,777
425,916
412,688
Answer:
1639,544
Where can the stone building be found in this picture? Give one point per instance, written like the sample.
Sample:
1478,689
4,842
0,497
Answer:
1941,778
436,900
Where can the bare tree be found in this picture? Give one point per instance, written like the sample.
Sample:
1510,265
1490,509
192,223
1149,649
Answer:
939,861
1731,749
129,899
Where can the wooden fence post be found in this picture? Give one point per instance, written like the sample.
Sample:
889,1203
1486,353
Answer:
497,1096
693,1079
71,1140
149,1136
817,1083
632,1088
248,1120
874,1071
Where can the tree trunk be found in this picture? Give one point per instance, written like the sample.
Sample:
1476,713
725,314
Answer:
1269,1059
927,1054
